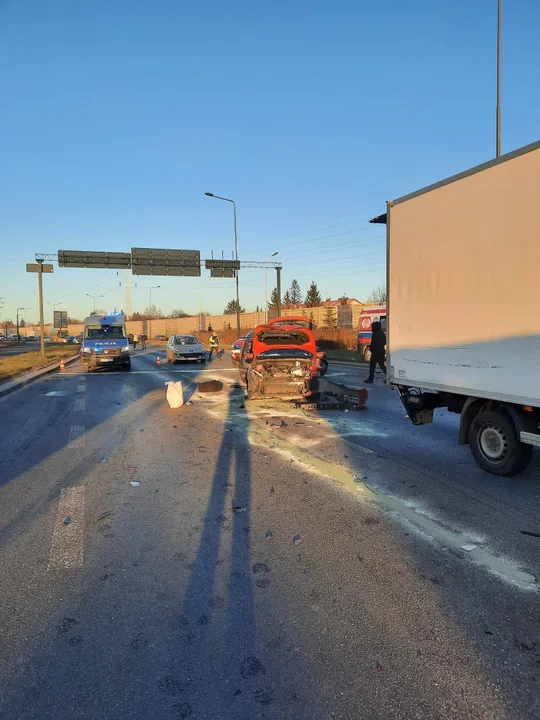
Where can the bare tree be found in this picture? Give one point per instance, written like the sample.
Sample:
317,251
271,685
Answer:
378,294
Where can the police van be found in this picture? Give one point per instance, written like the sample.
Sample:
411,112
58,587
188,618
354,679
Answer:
105,342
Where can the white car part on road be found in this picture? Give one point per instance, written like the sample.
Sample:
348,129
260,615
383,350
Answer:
175,394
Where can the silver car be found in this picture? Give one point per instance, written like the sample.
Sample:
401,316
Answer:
185,347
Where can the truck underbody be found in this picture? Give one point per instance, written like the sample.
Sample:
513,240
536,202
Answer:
501,434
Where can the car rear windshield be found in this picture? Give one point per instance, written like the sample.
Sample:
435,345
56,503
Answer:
285,353
104,332
186,340
288,322
283,337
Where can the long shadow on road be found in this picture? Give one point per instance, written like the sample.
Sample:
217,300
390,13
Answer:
221,668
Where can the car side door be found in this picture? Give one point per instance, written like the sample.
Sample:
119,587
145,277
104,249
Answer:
244,363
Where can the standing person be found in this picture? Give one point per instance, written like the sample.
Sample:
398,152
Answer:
135,341
214,344
143,338
130,338
378,352
210,329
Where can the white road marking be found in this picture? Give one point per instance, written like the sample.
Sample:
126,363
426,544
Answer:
76,436
81,388
68,539
182,372
80,404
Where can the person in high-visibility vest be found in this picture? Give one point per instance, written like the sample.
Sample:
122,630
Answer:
214,344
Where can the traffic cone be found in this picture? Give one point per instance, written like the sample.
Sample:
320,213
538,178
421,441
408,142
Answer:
158,361
62,366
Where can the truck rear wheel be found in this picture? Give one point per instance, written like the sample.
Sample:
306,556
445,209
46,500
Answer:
495,444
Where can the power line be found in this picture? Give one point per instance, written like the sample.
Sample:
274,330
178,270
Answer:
80,292
327,237
307,232
361,243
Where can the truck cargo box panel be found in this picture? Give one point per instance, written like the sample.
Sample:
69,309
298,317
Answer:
464,282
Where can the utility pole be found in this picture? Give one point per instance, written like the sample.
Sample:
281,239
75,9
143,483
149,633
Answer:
218,197
278,288
41,322
498,121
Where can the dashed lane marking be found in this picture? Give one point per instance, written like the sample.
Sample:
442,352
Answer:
80,404
76,436
68,534
81,388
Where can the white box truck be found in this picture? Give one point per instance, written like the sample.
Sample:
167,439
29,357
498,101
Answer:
463,278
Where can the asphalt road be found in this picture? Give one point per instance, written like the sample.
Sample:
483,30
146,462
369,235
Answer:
22,347
161,601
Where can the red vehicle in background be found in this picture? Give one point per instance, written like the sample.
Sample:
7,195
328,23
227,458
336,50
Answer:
369,315
236,347
281,360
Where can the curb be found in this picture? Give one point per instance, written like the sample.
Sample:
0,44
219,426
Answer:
11,385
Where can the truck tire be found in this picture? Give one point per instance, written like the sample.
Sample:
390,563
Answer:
323,366
495,444
127,366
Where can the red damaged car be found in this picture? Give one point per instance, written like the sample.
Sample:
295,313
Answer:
281,360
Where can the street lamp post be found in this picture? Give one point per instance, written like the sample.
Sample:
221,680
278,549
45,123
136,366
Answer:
266,285
217,197
24,309
154,287
94,297
53,307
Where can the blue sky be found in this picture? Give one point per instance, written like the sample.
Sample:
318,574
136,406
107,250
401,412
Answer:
118,116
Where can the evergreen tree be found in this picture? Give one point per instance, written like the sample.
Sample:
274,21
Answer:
287,299
295,293
231,308
330,319
313,296
274,300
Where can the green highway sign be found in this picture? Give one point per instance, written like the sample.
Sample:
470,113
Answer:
91,259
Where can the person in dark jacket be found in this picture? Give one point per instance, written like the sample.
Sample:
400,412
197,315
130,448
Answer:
378,351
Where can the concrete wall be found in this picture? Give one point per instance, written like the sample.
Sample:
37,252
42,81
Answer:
190,325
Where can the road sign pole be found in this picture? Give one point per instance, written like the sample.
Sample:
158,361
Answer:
236,258
278,288
41,323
